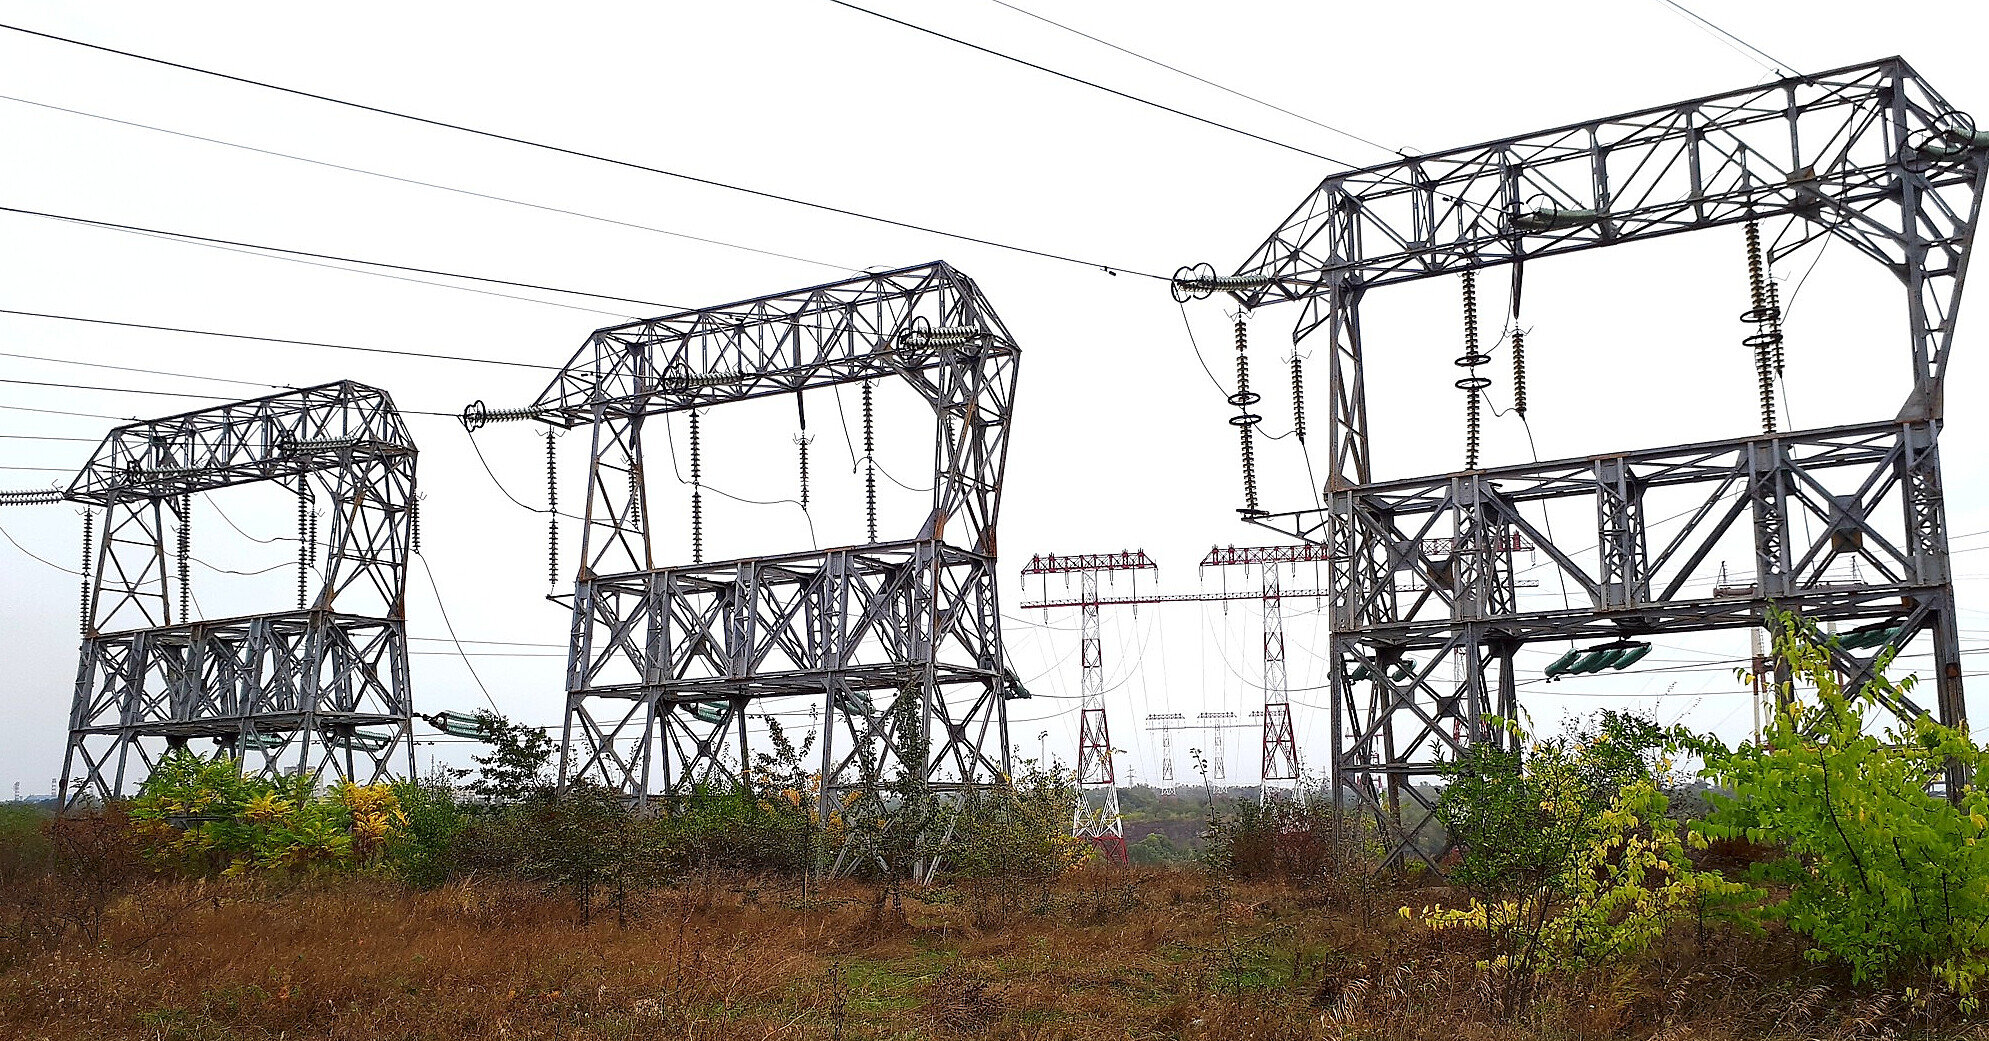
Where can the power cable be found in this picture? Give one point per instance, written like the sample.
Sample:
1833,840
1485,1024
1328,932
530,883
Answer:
576,153
60,412
1198,79
5,534
1089,83
430,184
443,610
99,388
1773,64
127,368
506,492
231,244
430,356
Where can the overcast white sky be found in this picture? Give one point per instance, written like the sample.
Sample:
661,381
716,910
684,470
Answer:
1119,442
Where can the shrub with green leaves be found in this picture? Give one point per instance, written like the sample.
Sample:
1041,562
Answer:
1521,814
1615,897
423,852
1020,831
1882,873
1575,858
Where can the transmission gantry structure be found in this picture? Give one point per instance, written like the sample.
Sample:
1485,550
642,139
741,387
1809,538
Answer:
321,689
897,641
1869,155
1096,816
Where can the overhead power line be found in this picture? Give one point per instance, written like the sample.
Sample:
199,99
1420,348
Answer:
429,184
101,389
1348,134
427,355
578,153
387,265
1089,83
1772,63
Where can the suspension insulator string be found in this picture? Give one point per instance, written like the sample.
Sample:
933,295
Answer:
303,538
1297,396
801,444
89,530
1519,371
414,528
1245,421
311,537
1766,317
1472,384
1775,308
186,552
552,511
869,464
634,497
697,495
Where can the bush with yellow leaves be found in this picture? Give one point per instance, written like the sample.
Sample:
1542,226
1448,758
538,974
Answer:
1616,898
204,816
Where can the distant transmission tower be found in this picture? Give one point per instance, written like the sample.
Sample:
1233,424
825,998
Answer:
1097,815
1280,767
1166,723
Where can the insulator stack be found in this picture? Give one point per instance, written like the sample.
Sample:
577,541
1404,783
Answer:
635,497
1766,317
680,381
1197,282
1245,421
89,530
923,333
1297,397
697,495
414,528
1519,372
1472,384
801,444
34,497
186,551
303,539
552,512
476,415
869,464
1775,305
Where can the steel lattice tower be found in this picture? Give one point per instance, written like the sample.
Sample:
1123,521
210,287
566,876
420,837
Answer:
323,688
1868,154
899,641
1097,814
1280,771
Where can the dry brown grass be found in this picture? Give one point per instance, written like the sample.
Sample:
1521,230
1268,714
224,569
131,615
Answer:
1102,955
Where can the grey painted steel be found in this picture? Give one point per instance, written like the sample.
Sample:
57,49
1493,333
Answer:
666,662
322,689
1869,154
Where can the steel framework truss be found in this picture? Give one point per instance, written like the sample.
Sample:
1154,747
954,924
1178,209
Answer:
665,663
1869,154
323,688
